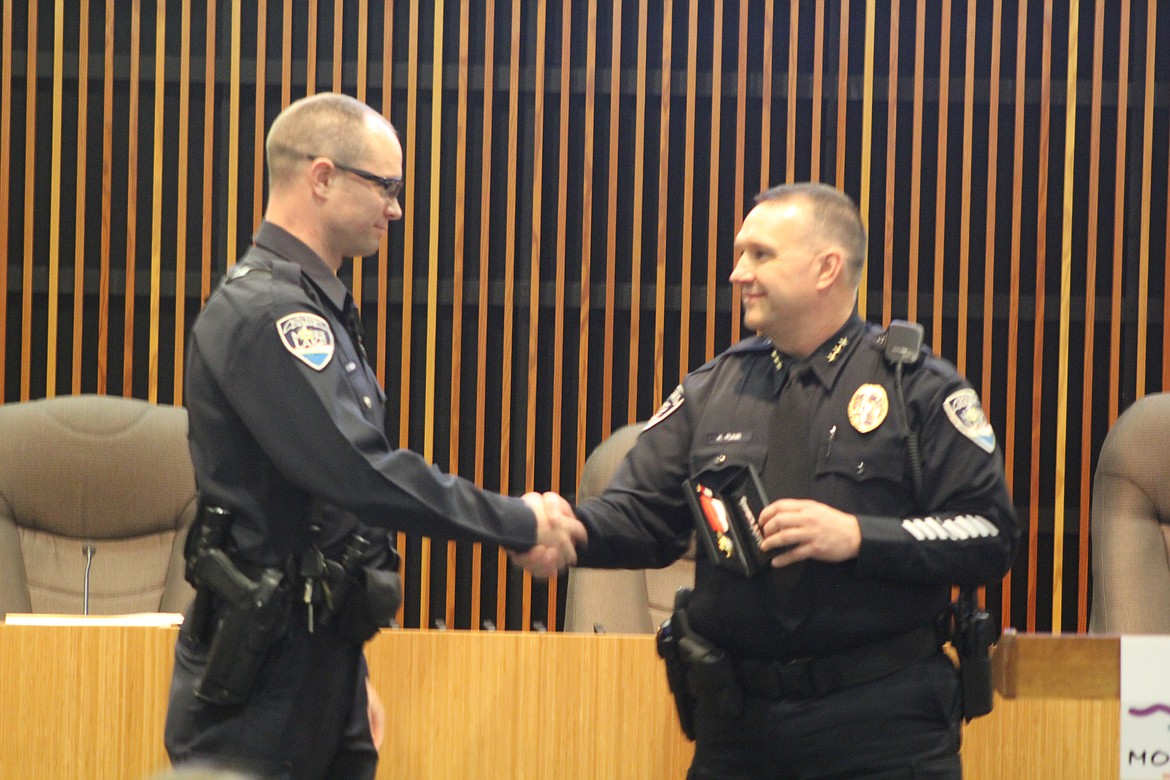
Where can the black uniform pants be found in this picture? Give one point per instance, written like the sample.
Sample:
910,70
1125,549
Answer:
306,719
906,725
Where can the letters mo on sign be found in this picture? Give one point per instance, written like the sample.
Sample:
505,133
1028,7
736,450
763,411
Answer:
1145,708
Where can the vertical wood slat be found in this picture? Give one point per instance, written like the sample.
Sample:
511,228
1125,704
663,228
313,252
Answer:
989,237
233,172
131,201
481,360
103,304
916,162
338,50
5,171
611,218
639,188
30,130
559,283
818,81
989,256
460,227
181,205
940,192
1143,280
1091,248
841,138
286,55
790,133
260,93
80,200
688,196
1070,128
509,294
1038,318
54,259
363,60
663,191
408,164
866,135
534,281
891,159
1119,213
432,280
765,143
209,59
1009,448
713,200
311,51
586,300
965,208
741,68
383,263
156,237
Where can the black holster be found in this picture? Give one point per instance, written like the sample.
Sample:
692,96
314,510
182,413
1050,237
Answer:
243,619
366,588
696,670
246,632
974,633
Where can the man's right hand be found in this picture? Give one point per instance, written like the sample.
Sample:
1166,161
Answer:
558,532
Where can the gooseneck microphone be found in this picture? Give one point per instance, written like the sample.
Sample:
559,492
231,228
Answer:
88,551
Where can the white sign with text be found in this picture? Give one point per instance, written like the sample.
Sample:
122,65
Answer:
1145,708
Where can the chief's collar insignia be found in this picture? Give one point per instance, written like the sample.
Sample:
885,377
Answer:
308,337
868,407
835,352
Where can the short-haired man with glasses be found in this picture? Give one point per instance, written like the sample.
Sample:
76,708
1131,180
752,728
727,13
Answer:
287,439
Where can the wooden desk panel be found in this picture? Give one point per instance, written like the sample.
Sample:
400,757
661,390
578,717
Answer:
90,702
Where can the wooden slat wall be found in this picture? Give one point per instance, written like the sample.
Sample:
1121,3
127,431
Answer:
590,162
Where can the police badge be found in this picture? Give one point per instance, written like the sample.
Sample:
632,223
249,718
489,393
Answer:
868,407
308,337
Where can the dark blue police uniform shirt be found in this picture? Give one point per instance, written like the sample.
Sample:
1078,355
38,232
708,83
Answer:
286,416
961,529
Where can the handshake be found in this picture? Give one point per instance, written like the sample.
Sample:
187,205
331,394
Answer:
558,533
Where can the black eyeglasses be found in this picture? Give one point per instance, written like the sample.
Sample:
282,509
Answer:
391,185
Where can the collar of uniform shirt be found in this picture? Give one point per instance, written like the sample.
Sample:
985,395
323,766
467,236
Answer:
827,360
276,239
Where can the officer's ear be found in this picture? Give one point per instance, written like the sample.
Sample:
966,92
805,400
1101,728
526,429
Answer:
830,266
322,175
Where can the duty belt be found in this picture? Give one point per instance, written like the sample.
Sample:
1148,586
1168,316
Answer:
820,675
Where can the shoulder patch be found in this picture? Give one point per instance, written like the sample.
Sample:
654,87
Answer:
308,337
966,414
669,407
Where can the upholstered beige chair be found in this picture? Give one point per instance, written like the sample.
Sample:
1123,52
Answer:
1131,523
613,600
111,476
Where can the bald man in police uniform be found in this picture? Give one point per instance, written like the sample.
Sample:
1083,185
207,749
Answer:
834,650
287,435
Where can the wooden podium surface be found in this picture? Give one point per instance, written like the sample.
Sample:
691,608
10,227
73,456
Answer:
90,702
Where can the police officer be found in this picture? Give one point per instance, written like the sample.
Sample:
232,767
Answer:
828,662
287,439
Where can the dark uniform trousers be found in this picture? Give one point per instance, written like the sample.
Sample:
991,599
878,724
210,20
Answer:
307,718
906,726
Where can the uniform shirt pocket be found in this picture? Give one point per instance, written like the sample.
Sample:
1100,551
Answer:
846,453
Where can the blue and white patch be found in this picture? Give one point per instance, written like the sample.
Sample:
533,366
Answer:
308,337
669,407
966,414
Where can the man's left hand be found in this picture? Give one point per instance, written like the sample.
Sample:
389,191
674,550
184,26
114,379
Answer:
819,531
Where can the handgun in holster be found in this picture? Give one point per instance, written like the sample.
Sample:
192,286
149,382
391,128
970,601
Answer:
244,617
974,633
696,669
208,532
